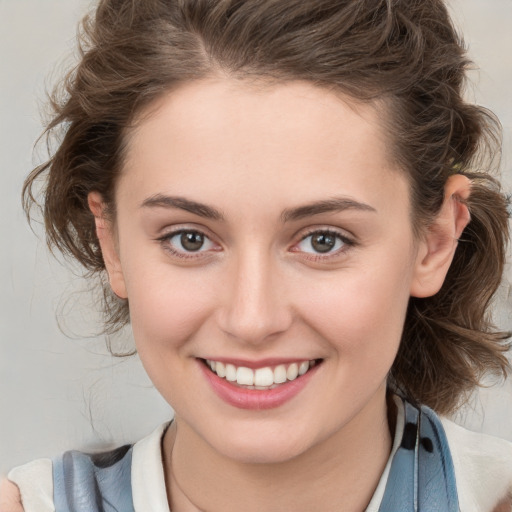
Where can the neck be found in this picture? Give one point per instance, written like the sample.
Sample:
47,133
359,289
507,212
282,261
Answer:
346,468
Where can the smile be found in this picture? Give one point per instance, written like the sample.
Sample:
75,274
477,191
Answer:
264,378
264,387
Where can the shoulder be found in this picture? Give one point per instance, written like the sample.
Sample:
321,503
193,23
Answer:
44,484
10,497
34,484
483,467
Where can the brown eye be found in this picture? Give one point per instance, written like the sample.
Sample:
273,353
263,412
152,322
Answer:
323,242
192,240
186,242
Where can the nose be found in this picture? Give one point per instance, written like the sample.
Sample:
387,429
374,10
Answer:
255,308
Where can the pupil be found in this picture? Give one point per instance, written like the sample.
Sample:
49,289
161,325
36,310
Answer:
192,241
323,242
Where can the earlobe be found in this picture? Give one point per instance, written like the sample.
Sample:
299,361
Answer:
106,237
437,248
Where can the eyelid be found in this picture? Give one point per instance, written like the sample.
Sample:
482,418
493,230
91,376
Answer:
170,229
343,234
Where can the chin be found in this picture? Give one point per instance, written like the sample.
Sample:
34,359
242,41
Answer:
264,454
269,447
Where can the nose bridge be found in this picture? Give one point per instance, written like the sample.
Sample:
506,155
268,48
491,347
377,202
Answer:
255,307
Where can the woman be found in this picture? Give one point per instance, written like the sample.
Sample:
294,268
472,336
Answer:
291,205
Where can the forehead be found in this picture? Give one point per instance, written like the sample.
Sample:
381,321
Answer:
294,139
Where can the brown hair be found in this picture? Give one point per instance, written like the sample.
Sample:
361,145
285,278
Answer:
404,54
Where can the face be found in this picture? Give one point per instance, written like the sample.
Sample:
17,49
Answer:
267,231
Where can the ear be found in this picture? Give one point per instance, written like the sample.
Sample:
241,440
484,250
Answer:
106,236
437,248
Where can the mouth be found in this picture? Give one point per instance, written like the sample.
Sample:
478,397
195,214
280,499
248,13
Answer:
264,378
259,385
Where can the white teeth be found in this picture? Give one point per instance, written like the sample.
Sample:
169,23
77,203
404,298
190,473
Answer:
230,372
262,378
280,374
292,372
303,368
244,376
220,369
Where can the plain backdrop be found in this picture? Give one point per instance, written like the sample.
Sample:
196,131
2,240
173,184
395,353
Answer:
60,391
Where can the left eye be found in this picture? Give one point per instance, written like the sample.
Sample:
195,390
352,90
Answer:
189,241
321,242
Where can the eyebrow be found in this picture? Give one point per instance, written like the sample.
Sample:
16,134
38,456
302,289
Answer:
181,203
336,204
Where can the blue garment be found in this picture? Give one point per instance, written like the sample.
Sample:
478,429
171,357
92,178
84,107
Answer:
421,477
93,483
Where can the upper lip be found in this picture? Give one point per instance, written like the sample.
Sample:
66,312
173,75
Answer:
260,363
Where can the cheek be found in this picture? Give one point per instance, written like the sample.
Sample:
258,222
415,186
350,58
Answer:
361,312
166,305
166,312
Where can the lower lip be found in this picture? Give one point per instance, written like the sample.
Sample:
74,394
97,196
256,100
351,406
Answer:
255,399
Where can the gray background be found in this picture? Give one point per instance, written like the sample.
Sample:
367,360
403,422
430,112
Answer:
59,392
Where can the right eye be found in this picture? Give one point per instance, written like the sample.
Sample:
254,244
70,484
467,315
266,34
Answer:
185,242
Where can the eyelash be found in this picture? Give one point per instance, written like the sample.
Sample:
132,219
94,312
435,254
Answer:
346,241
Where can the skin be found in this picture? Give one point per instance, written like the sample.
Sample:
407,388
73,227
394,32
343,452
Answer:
10,499
258,290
